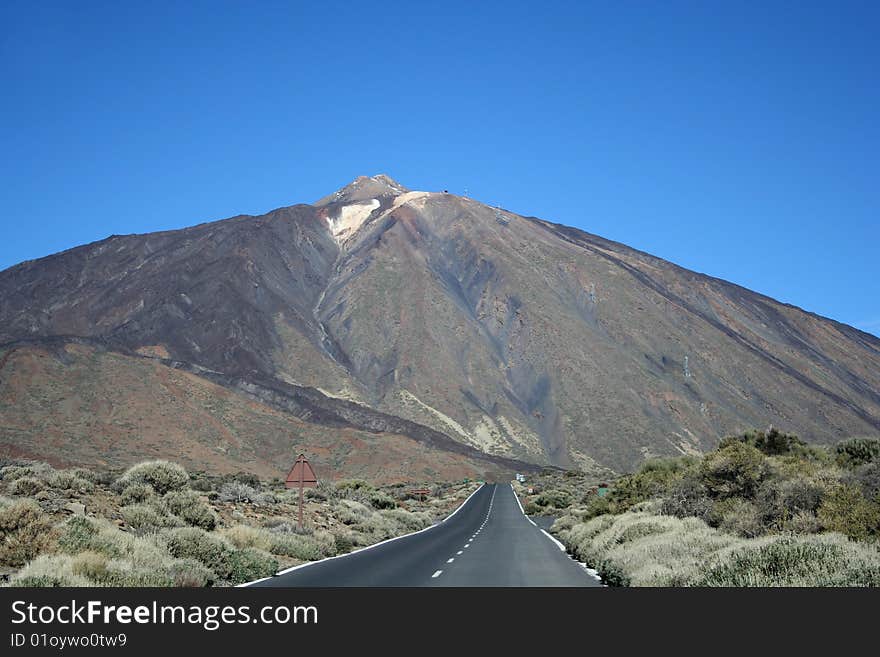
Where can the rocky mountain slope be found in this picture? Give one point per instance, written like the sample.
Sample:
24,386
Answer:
483,329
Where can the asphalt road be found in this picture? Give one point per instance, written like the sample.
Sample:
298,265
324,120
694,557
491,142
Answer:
486,542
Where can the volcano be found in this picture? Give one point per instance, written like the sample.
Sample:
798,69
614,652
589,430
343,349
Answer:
396,333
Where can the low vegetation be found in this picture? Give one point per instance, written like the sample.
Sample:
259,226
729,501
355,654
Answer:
155,524
763,509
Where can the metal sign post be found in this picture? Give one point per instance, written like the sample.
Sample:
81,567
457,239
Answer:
301,475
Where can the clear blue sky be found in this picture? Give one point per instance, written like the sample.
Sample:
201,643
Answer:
740,139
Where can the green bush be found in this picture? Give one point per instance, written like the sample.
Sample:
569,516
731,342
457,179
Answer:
49,571
189,507
194,543
249,564
857,451
771,443
737,516
557,499
25,485
247,478
91,565
136,493
867,477
407,521
316,495
70,481
10,473
25,531
845,510
78,534
380,500
144,519
642,549
779,500
736,470
344,542
163,476
530,508
236,491
687,497
826,560
190,573
346,485
350,512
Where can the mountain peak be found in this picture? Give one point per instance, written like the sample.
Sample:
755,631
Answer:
365,188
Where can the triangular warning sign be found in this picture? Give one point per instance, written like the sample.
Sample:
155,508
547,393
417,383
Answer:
301,474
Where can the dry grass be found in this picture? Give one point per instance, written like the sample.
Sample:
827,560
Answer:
645,549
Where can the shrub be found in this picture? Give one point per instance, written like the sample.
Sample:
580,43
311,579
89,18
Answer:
78,534
45,570
249,564
92,566
771,443
144,518
85,473
687,497
189,507
737,516
12,472
235,491
594,506
381,500
781,500
190,573
825,560
247,479
26,486
25,531
735,470
163,476
867,477
558,499
266,498
136,493
845,510
316,494
67,480
857,451
344,542
641,549
350,512
407,521
201,484
346,485
194,543
242,536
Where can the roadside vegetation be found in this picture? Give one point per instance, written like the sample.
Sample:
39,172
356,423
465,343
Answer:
763,509
155,524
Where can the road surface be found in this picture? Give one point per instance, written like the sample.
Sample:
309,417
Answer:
486,542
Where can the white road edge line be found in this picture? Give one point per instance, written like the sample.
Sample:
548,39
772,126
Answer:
559,544
554,539
437,574
450,560
516,497
363,549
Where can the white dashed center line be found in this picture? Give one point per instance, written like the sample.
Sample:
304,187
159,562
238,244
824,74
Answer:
473,536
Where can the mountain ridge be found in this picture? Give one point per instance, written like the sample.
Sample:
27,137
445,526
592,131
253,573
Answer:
512,335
